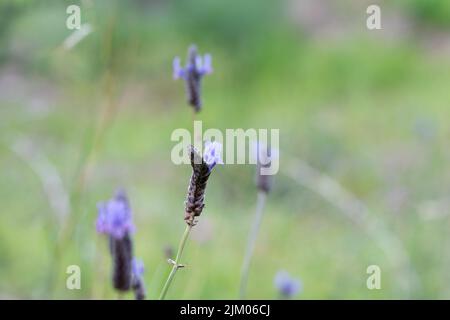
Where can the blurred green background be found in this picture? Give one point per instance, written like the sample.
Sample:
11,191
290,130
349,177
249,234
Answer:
364,145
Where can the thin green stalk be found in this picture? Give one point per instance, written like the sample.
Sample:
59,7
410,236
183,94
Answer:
176,264
261,201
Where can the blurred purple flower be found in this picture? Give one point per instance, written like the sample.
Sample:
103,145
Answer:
196,67
212,154
286,285
137,269
114,216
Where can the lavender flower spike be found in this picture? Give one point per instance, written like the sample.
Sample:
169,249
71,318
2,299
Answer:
287,286
201,169
196,67
114,219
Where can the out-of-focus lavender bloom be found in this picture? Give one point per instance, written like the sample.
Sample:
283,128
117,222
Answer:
138,282
114,219
212,154
114,216
196,67
287,286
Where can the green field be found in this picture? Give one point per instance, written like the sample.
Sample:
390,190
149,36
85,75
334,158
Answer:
364,145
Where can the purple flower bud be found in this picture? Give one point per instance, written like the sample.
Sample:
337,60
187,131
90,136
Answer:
286,285
114,216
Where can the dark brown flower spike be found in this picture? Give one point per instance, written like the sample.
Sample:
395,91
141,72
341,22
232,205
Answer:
201,169
197,186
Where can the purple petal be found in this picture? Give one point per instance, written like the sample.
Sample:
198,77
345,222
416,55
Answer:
178,71
207,64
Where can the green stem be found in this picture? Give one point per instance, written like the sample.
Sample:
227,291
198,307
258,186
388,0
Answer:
252,242
176,263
